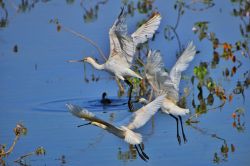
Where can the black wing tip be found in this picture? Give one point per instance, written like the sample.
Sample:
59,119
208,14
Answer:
155,14
122,13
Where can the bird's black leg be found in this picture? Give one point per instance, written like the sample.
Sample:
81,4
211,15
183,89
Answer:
144,154
130,104
178,136
84,124
183,134
141,156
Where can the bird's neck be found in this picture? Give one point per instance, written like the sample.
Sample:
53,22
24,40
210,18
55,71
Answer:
96,65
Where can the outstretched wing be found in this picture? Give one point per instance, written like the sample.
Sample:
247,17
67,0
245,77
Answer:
154,63
89,116
156,73
142,116
121,45
80,112
182,64
158,77
146,30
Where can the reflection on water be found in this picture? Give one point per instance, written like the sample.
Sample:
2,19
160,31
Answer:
128,155
125,156
91,13
62,160
220,155
238,124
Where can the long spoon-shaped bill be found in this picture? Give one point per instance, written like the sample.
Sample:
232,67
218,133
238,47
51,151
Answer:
73,61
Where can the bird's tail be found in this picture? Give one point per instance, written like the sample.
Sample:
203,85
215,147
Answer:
133,74
132,137
170,108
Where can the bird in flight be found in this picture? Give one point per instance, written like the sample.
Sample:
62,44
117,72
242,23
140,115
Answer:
124,128
167,83
123,48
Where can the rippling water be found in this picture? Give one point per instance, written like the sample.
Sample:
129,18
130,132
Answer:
93,104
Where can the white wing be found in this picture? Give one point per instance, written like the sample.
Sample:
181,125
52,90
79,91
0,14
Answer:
80,112
154,63
121,45
182,64
89,116
147,30
158,77
155,72
142,116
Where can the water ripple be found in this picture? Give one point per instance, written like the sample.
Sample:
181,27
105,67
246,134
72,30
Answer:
93,104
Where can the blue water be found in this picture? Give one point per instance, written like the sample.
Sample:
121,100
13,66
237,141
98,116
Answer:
37,82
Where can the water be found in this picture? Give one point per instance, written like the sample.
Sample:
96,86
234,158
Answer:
36,82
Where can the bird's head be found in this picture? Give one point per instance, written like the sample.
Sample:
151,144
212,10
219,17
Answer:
104,94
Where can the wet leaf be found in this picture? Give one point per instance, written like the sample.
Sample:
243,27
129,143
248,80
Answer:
215,43
233,70
40,151
226,72
216,59
234,115
200,71
58,28
234,124
238,45
230,97
210,99
15,48
232,148
233,58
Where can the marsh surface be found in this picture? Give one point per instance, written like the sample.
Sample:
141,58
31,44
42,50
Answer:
36,82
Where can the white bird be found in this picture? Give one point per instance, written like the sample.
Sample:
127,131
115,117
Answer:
163,82
123,129
123,48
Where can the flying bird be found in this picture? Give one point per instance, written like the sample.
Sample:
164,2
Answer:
123,129
167,83
123,48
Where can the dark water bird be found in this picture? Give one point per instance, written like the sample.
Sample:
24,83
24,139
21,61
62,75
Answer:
104,100
123,129
163,82
123,48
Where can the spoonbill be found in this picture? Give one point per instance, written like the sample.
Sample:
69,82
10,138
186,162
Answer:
123,48
124,128
163,82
